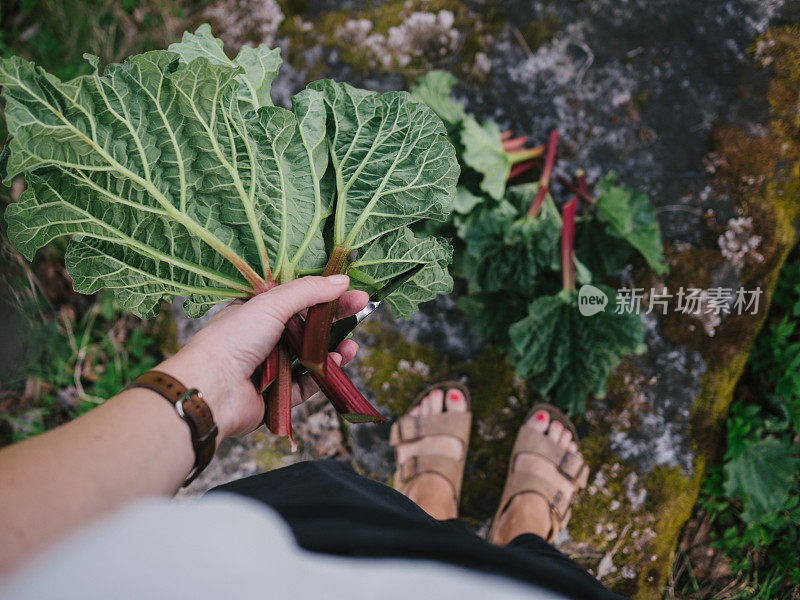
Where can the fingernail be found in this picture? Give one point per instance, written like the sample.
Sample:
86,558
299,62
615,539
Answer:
338,279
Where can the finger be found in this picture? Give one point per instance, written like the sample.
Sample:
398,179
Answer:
283,301
350,303
305,387
347,349
227,309
258,324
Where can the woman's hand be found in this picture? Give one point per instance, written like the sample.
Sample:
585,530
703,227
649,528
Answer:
222,356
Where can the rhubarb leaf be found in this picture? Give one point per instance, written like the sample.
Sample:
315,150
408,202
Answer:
393,162
629,215
483,152
393,166
120,175
465,201
434,89
175,175
260,64
397,252
170,188
510,250
568,356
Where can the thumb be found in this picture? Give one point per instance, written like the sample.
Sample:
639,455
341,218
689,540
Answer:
285,300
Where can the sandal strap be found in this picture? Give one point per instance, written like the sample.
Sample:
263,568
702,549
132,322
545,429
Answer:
413,427
570,464
524,483
449,468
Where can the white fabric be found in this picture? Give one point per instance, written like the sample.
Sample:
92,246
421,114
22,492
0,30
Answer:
226,547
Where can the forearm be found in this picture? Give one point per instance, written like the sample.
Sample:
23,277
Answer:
135,444
132,446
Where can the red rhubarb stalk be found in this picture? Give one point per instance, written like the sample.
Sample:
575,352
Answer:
317,334
514,143
580,190
544,180
520,168
278,412
504,135
580,177
341,392
269,370
568,244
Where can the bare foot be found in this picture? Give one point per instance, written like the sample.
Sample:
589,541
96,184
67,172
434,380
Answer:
432,492
530,513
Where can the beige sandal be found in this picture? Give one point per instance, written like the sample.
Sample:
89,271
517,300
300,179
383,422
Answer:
409,428
569,464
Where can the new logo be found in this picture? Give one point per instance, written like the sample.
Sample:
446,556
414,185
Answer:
591,300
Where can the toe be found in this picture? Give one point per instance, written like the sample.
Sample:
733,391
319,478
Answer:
436,398
555,431
572,447
455,400
425,405
417,410
566,438
539,420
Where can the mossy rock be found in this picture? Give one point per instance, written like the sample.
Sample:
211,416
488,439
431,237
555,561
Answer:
625,526
365,48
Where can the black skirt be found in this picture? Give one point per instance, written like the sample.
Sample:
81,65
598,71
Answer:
332,510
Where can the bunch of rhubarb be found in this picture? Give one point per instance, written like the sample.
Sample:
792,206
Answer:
523,257
175,175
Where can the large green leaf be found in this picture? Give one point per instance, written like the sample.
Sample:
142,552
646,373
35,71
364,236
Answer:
260,65
393,166
397,252
393,162
114,160
434,89
483,152
629,216
175,175
489,314
567,355
602,253
763,476
510,250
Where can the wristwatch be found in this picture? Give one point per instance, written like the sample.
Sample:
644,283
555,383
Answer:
192,408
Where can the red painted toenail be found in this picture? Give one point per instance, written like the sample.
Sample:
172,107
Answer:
452,396
540,416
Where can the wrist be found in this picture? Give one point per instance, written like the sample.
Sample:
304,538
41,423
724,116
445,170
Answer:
190,375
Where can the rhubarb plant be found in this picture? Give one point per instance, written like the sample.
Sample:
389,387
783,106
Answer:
175,175
523,261
484,149
560,351
510,247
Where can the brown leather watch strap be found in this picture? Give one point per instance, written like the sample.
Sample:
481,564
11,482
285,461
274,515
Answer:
192,408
